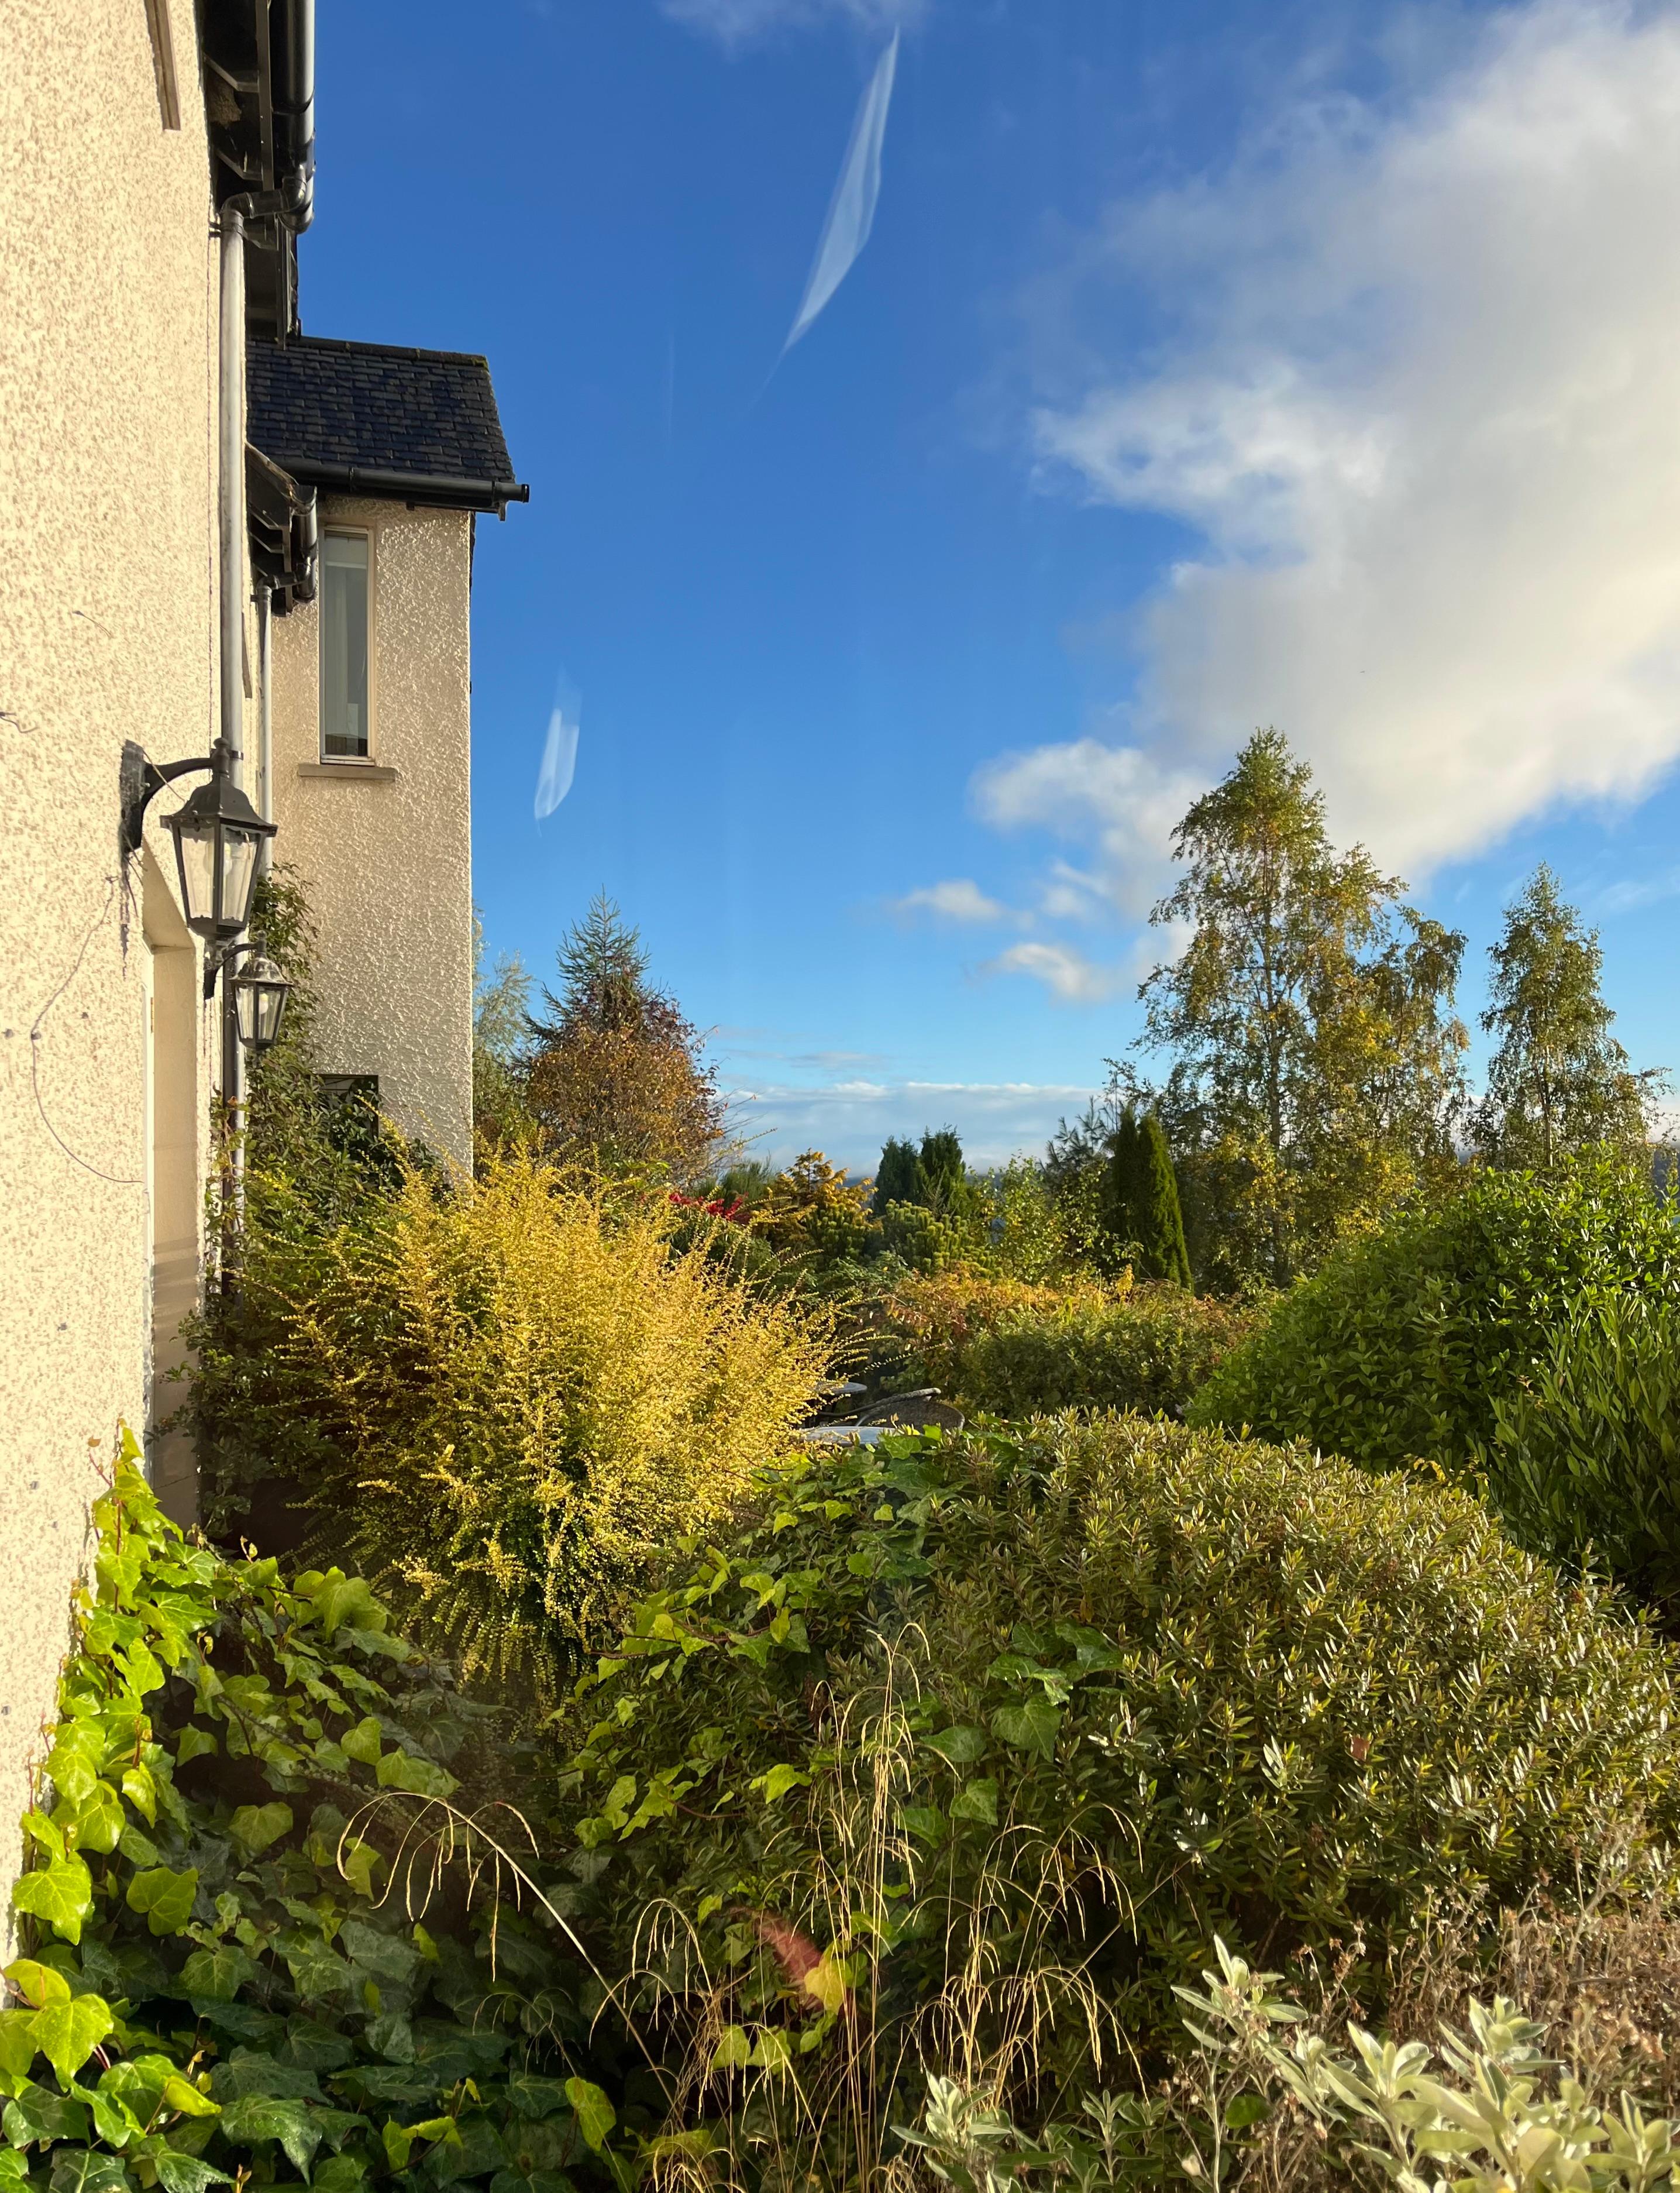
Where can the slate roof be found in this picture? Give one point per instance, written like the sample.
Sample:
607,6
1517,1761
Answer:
418,426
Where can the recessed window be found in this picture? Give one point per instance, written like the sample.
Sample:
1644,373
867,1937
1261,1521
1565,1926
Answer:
345,576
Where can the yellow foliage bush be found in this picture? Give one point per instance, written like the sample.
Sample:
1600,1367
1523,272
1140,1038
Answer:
505,1399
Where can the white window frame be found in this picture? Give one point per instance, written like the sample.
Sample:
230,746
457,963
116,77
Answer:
369,534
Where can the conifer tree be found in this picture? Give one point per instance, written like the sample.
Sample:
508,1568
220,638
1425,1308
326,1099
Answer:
615,1079
898,1179
1142,1198
1558,1080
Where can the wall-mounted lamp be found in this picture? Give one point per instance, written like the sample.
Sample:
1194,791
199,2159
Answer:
216,833
260,993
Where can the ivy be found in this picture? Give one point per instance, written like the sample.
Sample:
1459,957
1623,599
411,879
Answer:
232,1974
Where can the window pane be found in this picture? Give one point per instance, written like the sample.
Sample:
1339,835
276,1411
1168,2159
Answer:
344,644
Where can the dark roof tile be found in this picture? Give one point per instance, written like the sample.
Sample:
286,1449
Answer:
317,406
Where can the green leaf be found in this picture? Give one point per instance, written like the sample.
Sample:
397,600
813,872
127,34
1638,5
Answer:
254,1827
339,2173
17,2043
1244,2111
341,1600
164,1898
182,2096
400,1770
362,1742
185,2174
141,1792
533,2096
14,2168
734,2053
778,1782
925,1822
67,2033
39,1984
217,1975
1029,1727
976,1800
60,1895
98,1820
193,1743
260,2116
958,1746
86,2170
596,2115
39,2114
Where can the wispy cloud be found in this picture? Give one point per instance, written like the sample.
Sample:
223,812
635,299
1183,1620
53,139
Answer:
1645,890
1119,800
1067,974
957,899
1417,393
738,22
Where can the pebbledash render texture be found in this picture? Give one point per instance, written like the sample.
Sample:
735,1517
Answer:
107,633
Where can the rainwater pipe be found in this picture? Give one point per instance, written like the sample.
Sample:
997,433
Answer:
230,528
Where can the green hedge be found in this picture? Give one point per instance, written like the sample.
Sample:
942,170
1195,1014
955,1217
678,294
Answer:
996,1734
1404,1341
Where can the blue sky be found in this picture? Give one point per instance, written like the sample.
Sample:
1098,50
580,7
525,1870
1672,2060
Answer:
1208,365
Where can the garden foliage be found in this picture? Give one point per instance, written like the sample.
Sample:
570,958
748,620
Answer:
501,1399
964,1752
234,1972
1016,1349
1142,1200
1402,1344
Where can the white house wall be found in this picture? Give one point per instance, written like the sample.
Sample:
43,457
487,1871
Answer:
384,850
108,632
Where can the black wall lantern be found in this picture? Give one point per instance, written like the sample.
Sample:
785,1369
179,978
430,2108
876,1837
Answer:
260,995
217,834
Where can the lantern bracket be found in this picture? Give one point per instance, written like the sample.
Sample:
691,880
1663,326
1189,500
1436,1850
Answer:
143,779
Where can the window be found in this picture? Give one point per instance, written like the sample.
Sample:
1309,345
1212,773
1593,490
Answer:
345,572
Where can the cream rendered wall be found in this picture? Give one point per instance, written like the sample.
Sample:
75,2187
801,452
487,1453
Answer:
384,850
108,632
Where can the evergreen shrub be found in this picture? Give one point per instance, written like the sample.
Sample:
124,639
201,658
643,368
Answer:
1016,1349
969,1749
1404,1342
501,1399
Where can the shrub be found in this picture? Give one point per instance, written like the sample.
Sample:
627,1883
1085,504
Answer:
1402,1343
1017,1349
234,1967
1584,1456
501,1400
970,1749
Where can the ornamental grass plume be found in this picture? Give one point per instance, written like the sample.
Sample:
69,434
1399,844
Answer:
503,1398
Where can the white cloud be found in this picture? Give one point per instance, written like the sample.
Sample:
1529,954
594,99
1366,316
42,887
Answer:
737,22
1418,394
1123,801
1065,972
958,899
1650,891
851,1120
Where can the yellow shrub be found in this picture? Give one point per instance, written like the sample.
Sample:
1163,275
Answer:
507,1398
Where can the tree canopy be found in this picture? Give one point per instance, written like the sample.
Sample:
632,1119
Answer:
1558,1081
1317,1068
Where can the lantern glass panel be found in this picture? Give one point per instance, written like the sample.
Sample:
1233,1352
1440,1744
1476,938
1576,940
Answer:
238,877
259,1004
196,857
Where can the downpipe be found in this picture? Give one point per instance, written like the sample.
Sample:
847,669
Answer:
231,453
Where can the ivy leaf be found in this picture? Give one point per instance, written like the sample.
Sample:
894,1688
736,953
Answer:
67,2033
342,1599
400,1770
260,2116
39,1984
39,2114
85,2170
17,2043
596,2115
362,1742
734,2053
185,2174
925,1822
164,1898
217,1975
776,1785
99,1820
193,1743
339,2173
254,1827
976,1800
141,1792
180,2095
60,1895
1029,1727
957,1746
138,1849
14,2168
